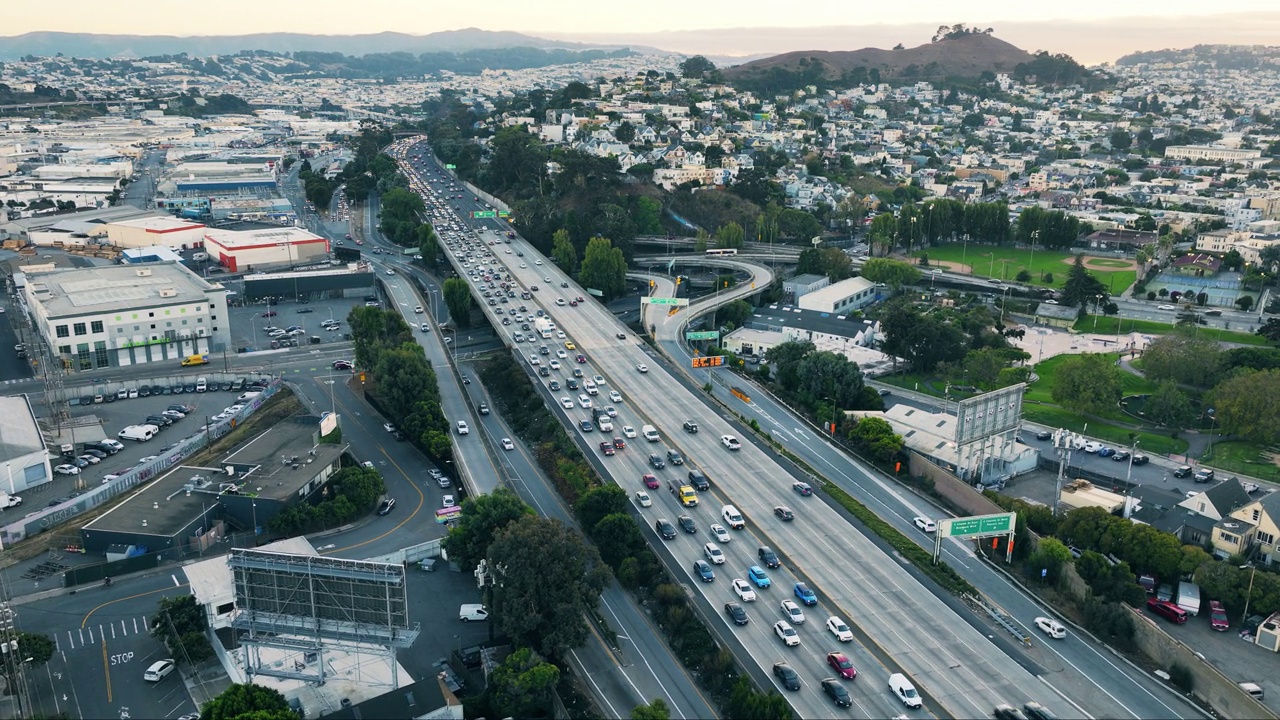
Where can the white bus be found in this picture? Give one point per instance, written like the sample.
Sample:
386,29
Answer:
722,251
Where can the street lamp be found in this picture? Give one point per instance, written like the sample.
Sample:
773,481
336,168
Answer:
1096,308
1249,594
1035,235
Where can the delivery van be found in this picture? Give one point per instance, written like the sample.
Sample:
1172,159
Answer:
193,360
650,433
139,433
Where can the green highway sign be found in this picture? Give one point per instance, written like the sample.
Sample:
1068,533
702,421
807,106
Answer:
664,301
503,213
481,214
707,335
451,167
977,525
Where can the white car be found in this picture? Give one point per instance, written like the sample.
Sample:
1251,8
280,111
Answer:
599,380
1166,307
743,590
642,368
67,470
562,354
712,551
462,427
507,444
839,629
560,335
902,689
158,671
533,359
611,411
628,432
643,498
615,396
447,501
786,633
792,611
1051,627
719,533
584,401
388,427
730,442
925,524
566,403
554,364
418,310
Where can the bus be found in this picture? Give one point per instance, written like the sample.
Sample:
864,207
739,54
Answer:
444,515
722,251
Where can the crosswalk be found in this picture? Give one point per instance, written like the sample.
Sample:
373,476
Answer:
93,635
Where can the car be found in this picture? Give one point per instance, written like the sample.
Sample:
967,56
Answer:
743,590
802,488
836,692
687,524
606,447
507,444
1106,452
1183,471
580,359
463,429
269,313
1051,627
925,524
786,675
665,529
643,499
902,689
418,310
884,392
736,613
784,513
1203,475
730,442
1044,435
566,403
806,596
713,553
159,670
1140,459
92,460
386,506
690,426
1218,616
554,386
768,557
173,414
586,426
67,470
584,401
1166,307
650,481
757,575
642,368
842,665
792,611
96,453
719,533
628,432
389,427
619,444
615,396
838,628
675,457
703,571
448,501
1120,456
656,461
786,633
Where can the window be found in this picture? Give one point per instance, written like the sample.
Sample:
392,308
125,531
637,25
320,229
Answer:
80,329
151,314
100,354
62,331
95,326
184,322
1229,538
64,349
1256,515
83,358
1266,538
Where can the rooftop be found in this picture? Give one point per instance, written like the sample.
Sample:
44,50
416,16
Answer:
19,433
274,235
112,288
777,317
840,290
291,441
159,224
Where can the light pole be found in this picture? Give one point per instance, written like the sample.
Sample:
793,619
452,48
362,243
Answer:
1249,594
1128,476
1035,235
1004,300
964,252
1096,307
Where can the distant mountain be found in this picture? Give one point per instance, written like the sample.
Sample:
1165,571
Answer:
91,45
1203,57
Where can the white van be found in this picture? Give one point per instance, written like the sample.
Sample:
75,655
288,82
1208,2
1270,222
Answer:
467,613
140,433
590,387
1253,689
650,433
732,517
202,385
902,689
246,397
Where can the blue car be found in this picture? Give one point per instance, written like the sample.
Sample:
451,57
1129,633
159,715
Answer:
1106,452
806,595
704,571
758,576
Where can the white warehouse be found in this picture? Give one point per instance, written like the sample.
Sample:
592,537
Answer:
841,298
116,315
163,230
263,248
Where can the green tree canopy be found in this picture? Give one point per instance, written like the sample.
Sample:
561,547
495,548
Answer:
875,437
1081,287
1184,359
563,251
603,268
1087,383
730,235
482,518
1169,406
457,297
1245,405
655,710
893,273
243,700
523,684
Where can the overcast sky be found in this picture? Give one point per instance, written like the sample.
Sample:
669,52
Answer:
238,17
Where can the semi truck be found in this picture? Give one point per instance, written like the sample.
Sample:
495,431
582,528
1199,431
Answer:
544,327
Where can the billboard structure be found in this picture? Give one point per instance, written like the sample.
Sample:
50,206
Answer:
307,604
986,431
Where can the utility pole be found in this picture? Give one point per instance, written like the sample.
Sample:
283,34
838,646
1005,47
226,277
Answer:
1064,442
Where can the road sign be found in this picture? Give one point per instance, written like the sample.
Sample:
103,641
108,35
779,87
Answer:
706,335
708,361
978,525
450,167
664,301
503,214
482,214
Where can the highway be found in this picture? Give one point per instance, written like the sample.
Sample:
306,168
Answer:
958,670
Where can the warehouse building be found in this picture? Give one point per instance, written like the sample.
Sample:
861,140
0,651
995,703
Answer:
851,294
264,247
22,448
117,315
163,230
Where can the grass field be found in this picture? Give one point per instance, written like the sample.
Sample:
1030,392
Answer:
1114,325
1242,457
1005,262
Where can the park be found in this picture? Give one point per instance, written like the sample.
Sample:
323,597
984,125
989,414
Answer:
1004,263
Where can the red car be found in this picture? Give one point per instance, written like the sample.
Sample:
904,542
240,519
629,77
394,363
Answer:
650,481
1218,616
582,358
841,664
619,443
606,447
269,313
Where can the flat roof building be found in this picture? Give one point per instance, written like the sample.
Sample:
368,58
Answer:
117,315
163,230
22,448
850,294
265,248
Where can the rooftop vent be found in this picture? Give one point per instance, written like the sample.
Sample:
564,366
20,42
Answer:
143,272
168,292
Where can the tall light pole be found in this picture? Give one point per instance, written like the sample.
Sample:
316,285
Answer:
964,252
1248,594
1096,308
1035,234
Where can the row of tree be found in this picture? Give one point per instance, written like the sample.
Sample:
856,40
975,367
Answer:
353,493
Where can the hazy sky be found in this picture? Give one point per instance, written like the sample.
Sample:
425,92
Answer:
237,17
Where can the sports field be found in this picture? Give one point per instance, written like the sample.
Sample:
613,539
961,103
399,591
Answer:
1005,263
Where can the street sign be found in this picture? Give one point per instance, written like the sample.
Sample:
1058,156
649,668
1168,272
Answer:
450,166
482,214
504,214
978,525
708,361
682,302
705,335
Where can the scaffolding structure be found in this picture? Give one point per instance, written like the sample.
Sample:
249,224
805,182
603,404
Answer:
308,604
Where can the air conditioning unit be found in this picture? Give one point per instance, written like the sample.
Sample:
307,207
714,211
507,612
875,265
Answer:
168,292
143,272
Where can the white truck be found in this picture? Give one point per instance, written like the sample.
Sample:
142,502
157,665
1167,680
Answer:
1189,597
545,327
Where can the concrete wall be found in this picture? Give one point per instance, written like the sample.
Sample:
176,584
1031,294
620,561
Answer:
958,494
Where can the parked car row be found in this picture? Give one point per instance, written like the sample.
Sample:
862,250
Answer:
198,385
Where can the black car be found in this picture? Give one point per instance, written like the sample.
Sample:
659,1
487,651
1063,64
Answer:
1120,456
174,390
144,391
699,481
554,385
1007,712
159,421
586,426
835,690
675,457
656,462
736,613
189,387
1184,471
665,529
386,506
1044,435
94,451
789,678
690,426
184,409
768,557
571,384
1140,459
784,513
687,524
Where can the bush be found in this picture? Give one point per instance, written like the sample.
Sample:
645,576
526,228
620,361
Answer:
1048,277
1023,276
1181,677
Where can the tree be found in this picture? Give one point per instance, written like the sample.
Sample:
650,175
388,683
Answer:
36,650
745,702
655,710
1169,406
603,268
247,700
1050,556
457,297
1270,330
1087,383
428,243
180,623
482,518
875,437
798,225
1244,302
522,685
598,502
548,580
1245,405
882,233
785,359
1120,140
1081,287
1183,359
625,132
730,235
618,538
832,262
563,251
696,67
893,273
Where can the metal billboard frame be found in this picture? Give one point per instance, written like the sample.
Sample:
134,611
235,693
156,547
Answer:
992,413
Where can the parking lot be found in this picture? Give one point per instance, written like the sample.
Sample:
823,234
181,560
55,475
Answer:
248,323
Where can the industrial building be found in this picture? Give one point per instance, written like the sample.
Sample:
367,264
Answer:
777,324
163,230
22,448
347,280
191,507
846,296
264,247
116,315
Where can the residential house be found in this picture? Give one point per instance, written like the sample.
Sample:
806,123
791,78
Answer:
1252,528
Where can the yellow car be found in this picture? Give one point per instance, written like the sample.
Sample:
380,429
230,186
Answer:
688,497
570,346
